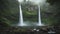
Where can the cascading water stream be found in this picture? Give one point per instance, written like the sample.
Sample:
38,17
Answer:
21,18
39,17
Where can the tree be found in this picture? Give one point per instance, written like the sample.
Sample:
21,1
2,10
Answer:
55,11
8,11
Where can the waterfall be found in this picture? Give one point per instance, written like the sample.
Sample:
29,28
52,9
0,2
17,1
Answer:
21,17
39,17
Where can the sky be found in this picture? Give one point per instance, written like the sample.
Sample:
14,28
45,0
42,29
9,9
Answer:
36,1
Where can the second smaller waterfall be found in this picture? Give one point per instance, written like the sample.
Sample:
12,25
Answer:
39,16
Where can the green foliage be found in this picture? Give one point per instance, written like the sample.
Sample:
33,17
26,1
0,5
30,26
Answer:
29,12
9,11
54,8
